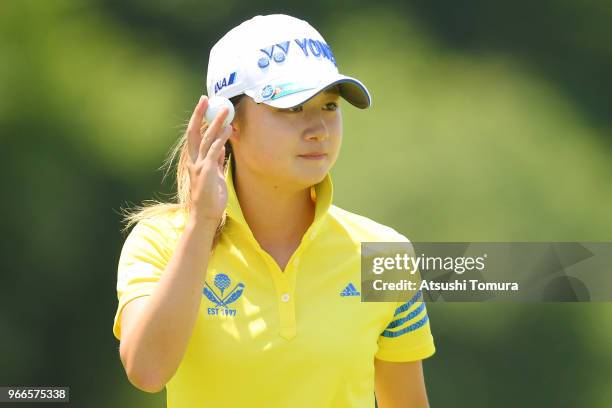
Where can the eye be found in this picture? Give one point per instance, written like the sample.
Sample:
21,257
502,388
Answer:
332,106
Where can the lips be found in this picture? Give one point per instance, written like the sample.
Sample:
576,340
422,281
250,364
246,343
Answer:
313,156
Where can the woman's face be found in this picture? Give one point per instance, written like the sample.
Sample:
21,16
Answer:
295,147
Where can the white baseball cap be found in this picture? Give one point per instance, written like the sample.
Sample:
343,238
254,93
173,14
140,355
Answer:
279,60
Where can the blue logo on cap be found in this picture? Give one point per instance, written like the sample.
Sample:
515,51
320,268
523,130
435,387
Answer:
310,47
227,81
263,62
279,57
267,91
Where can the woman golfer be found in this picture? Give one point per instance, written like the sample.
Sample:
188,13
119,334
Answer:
246,292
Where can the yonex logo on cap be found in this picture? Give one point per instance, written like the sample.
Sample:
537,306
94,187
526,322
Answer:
310,47
350,290
316,48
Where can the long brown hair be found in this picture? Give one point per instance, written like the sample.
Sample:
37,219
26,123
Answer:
177,160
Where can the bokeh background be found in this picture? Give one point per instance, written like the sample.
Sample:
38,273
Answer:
490,121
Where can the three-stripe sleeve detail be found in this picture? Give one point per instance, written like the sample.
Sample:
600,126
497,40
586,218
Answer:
407,305
420,310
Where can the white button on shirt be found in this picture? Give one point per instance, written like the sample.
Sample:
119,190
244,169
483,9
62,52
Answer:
285,297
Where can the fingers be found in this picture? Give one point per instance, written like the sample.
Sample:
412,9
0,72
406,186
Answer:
212,133
221,157
193,129
216,153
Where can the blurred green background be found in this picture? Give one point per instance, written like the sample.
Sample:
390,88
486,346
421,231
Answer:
490,121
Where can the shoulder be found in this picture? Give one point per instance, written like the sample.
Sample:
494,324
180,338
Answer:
362,228
164,226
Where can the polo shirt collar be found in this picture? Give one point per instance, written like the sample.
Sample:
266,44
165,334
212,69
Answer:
321,193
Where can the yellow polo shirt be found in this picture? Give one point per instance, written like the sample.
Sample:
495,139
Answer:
271,338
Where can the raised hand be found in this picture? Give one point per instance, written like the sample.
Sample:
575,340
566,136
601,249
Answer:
208,191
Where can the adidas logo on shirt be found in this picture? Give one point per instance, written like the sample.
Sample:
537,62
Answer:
350,290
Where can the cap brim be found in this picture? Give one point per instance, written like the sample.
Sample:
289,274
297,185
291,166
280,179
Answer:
350,88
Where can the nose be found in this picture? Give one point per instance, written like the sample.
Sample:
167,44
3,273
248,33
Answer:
316,128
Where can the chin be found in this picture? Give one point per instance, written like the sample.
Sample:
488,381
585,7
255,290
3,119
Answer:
311,176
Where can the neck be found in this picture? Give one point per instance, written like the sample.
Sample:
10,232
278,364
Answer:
278,215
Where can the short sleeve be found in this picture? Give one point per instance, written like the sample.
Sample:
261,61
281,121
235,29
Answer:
144,256
407,337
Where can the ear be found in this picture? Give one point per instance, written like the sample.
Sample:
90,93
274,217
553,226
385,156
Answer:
235,136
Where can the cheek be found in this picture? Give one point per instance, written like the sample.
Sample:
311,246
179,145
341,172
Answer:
268,152
336,136
267,147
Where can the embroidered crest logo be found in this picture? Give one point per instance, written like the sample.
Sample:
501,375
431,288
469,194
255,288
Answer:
220,299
